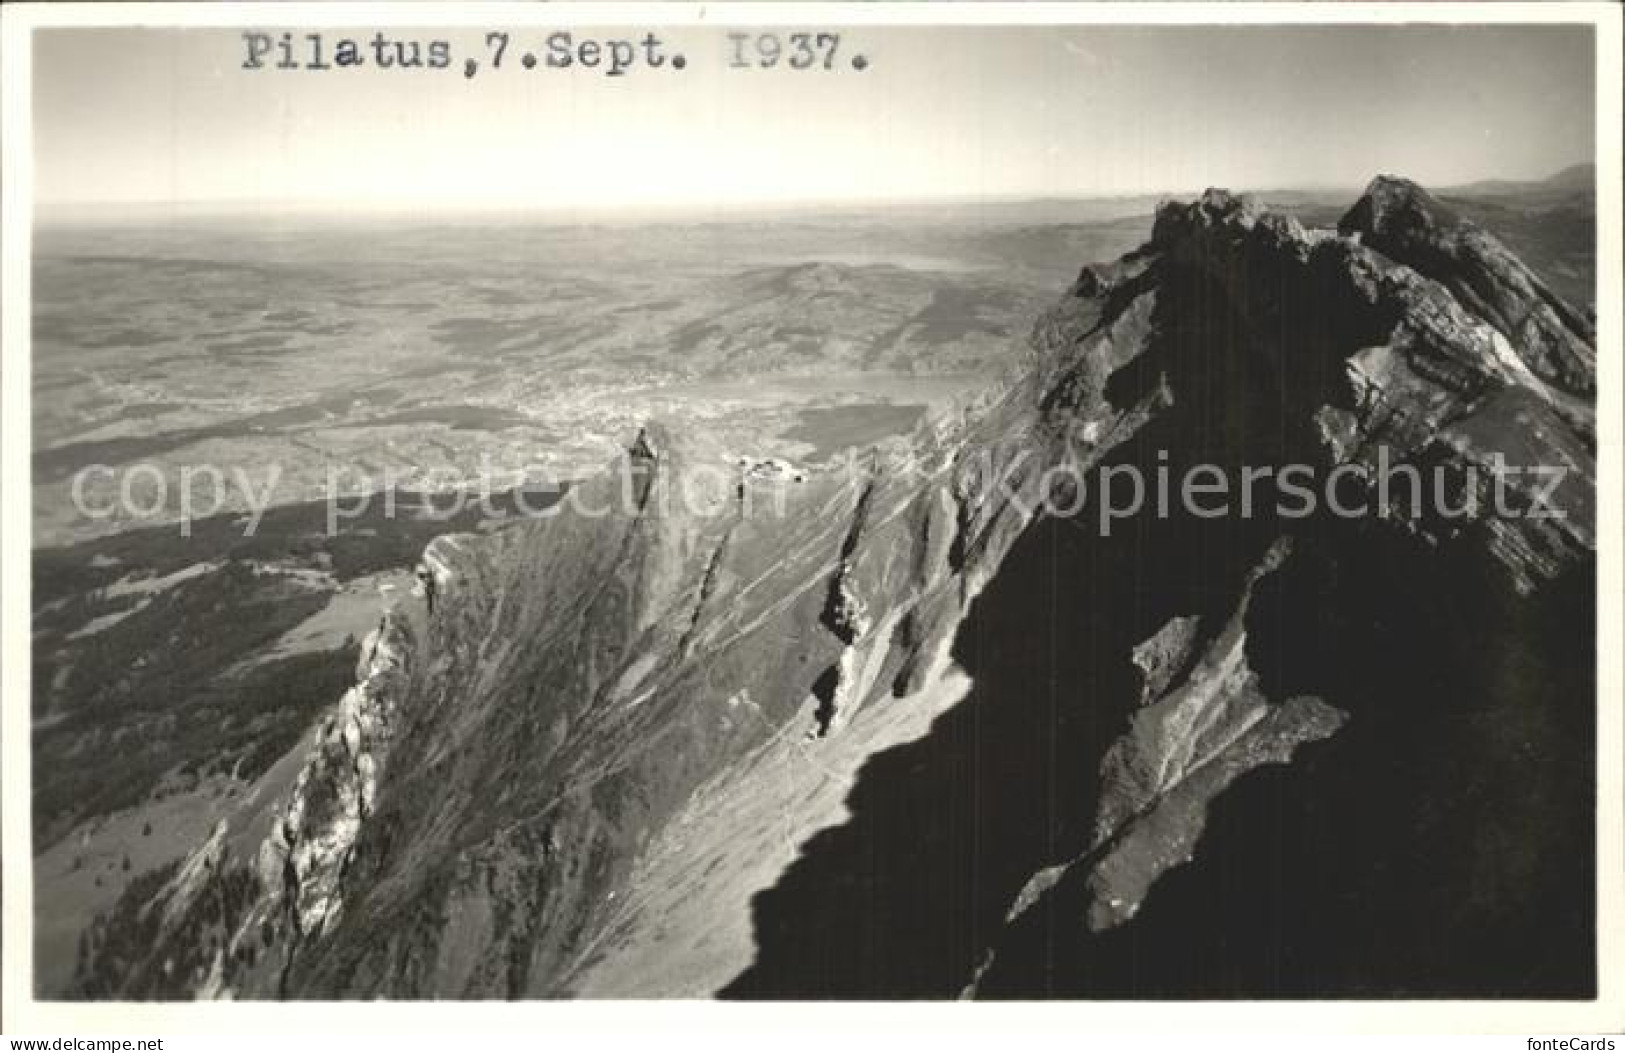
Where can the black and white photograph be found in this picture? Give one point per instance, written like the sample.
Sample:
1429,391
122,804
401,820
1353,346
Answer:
810,503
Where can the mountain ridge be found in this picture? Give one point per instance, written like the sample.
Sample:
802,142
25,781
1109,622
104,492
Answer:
581,725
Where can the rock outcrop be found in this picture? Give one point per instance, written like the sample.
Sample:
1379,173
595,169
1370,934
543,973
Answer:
1402,221
607,751
1181,750
310,847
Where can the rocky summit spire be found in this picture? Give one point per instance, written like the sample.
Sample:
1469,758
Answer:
1394,207
1407,224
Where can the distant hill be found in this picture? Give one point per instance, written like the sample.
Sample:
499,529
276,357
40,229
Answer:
1580,178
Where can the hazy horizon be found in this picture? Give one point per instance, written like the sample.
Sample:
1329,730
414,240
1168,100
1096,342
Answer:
1106,207
165,119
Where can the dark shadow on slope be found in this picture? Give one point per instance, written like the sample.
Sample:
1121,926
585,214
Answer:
1392,859
902,900
1439,845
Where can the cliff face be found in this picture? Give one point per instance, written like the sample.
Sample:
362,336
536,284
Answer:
930,726
1401,220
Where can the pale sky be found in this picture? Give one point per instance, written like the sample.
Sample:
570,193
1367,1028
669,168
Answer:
133,115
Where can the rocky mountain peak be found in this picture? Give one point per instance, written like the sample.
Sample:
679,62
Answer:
1216,207
1410,226
1393,207
673,445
